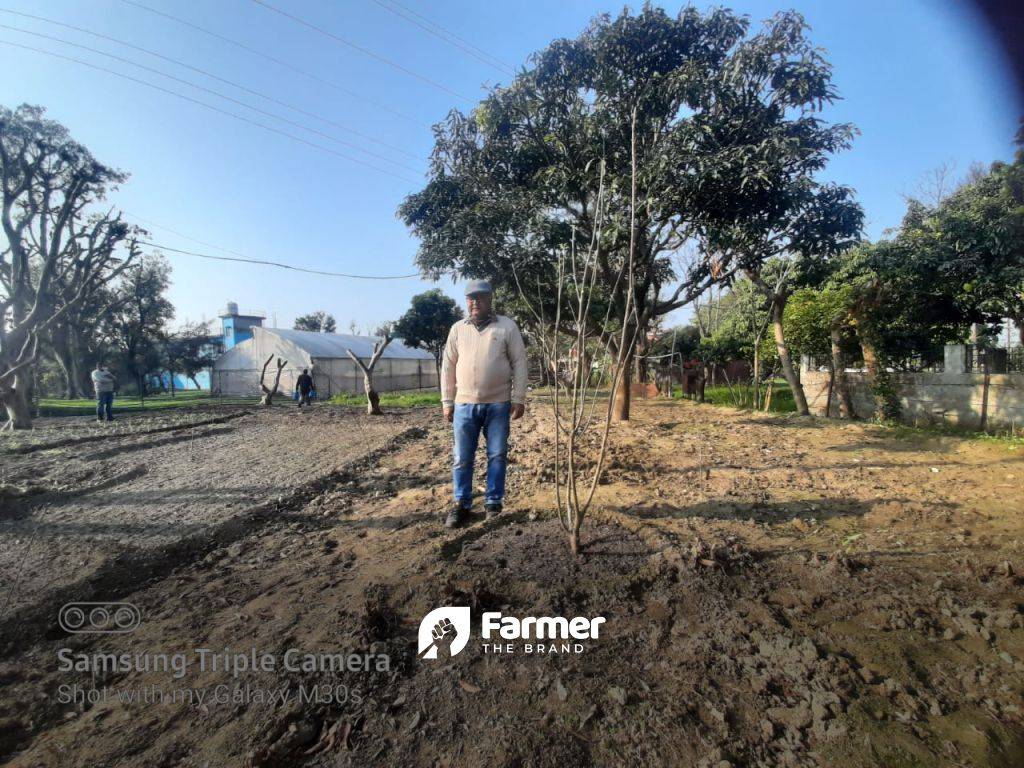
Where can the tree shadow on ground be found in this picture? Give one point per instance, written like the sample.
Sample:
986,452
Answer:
790,420
884,442
145,445
823,508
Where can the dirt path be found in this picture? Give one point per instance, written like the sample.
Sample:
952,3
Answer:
777,591
148,486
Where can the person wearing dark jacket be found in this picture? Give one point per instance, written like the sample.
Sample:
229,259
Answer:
304,385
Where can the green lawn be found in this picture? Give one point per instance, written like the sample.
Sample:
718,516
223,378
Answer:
52,406
392,399
742,396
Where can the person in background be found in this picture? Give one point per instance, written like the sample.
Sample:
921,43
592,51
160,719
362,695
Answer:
103,383
483,385
304,385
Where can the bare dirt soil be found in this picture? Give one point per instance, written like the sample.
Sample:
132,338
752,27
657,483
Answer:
777,590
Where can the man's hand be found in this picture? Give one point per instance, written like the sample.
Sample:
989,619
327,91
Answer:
517,410
449,413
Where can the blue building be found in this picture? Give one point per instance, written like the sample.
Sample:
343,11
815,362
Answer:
181,381
238,328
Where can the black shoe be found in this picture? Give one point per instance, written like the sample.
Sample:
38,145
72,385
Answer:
493,510
456,516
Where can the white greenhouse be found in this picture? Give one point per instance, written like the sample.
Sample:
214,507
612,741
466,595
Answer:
237,371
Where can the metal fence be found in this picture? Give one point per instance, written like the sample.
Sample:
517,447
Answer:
981,359
1015,359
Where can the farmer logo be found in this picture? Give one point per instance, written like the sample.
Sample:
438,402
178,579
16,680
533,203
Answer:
446,627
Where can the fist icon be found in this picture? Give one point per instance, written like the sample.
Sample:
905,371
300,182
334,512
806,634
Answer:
442,628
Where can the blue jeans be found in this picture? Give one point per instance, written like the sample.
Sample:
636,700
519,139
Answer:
105,405
470,419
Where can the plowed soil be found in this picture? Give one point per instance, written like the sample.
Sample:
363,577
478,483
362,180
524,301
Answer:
777,591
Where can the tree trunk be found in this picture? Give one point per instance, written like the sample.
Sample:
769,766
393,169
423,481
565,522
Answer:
886,404
621,410
778,305
641,368
372,398
15,402
757,373
842,384
77,388
66,358
702,383
983,421
69,378
831,387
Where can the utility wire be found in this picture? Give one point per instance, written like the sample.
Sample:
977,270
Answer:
433,23
151,223
218,94
435,29
279,62
207,73
365,51
210,107
278,264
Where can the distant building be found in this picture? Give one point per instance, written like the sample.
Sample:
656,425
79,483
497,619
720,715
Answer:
181,382
237,371
238,328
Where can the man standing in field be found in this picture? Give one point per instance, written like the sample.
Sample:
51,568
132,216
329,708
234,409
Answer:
304,385
483,386
103,383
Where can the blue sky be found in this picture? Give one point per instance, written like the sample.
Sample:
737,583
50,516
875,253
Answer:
923,82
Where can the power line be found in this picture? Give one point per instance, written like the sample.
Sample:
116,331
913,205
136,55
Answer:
365,51
241,256
435,29
151,223
433,23
277,264
279,62
210,107
214,93
205,72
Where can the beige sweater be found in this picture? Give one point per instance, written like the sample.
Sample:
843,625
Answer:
486,365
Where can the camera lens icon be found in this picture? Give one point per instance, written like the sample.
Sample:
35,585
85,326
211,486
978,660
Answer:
99,618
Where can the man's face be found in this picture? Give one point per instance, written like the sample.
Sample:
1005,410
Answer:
479,306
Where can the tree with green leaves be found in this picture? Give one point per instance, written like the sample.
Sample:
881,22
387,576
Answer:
899,305
57,252
135,326
818,325
192,349
318,322
426,323
670,111
72,341
973,243
777,222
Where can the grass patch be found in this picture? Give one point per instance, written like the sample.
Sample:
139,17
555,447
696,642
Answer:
391,399
52,406
742,396
1012,441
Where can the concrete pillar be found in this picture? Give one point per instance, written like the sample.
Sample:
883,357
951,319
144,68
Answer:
955,358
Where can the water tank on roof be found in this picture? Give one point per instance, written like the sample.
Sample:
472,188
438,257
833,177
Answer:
232,308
